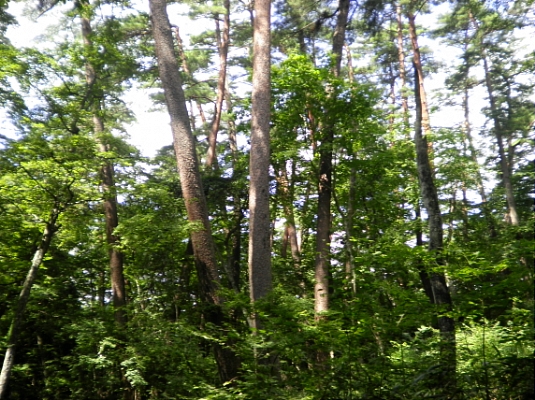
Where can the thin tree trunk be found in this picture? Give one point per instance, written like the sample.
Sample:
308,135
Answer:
440,291
469,142
402,69
190,179
108,186
102,288
465,212
350,70
284,190
222,47
505,164
325,149
259,222
339,36
350,263
185,68
504,160
290,228
467,130
453,201
234,262
14,329
392,78
348,227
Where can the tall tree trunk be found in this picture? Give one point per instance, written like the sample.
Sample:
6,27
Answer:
107,183
467,130
350,262
222,47
417,60
339,35
325,149
505,165
14,329
440,291
259,222
190,180
469,143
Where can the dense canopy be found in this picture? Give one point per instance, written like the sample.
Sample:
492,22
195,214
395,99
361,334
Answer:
325,225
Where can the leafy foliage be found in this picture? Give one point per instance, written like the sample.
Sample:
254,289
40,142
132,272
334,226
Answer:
381,330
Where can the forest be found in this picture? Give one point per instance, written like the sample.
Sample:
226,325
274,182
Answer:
317,230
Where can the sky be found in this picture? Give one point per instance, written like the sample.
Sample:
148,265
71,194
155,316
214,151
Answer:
151,131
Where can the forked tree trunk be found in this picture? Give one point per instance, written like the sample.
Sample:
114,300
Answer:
222,37
259,220
190,180
108,185
14,329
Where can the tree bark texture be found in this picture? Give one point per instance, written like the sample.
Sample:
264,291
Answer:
323,230
108,186
14,329
259,222
437,280
190,180
223,40
339,35
417,59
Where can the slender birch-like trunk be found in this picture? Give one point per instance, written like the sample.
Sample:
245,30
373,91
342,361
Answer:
505,161
14,329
